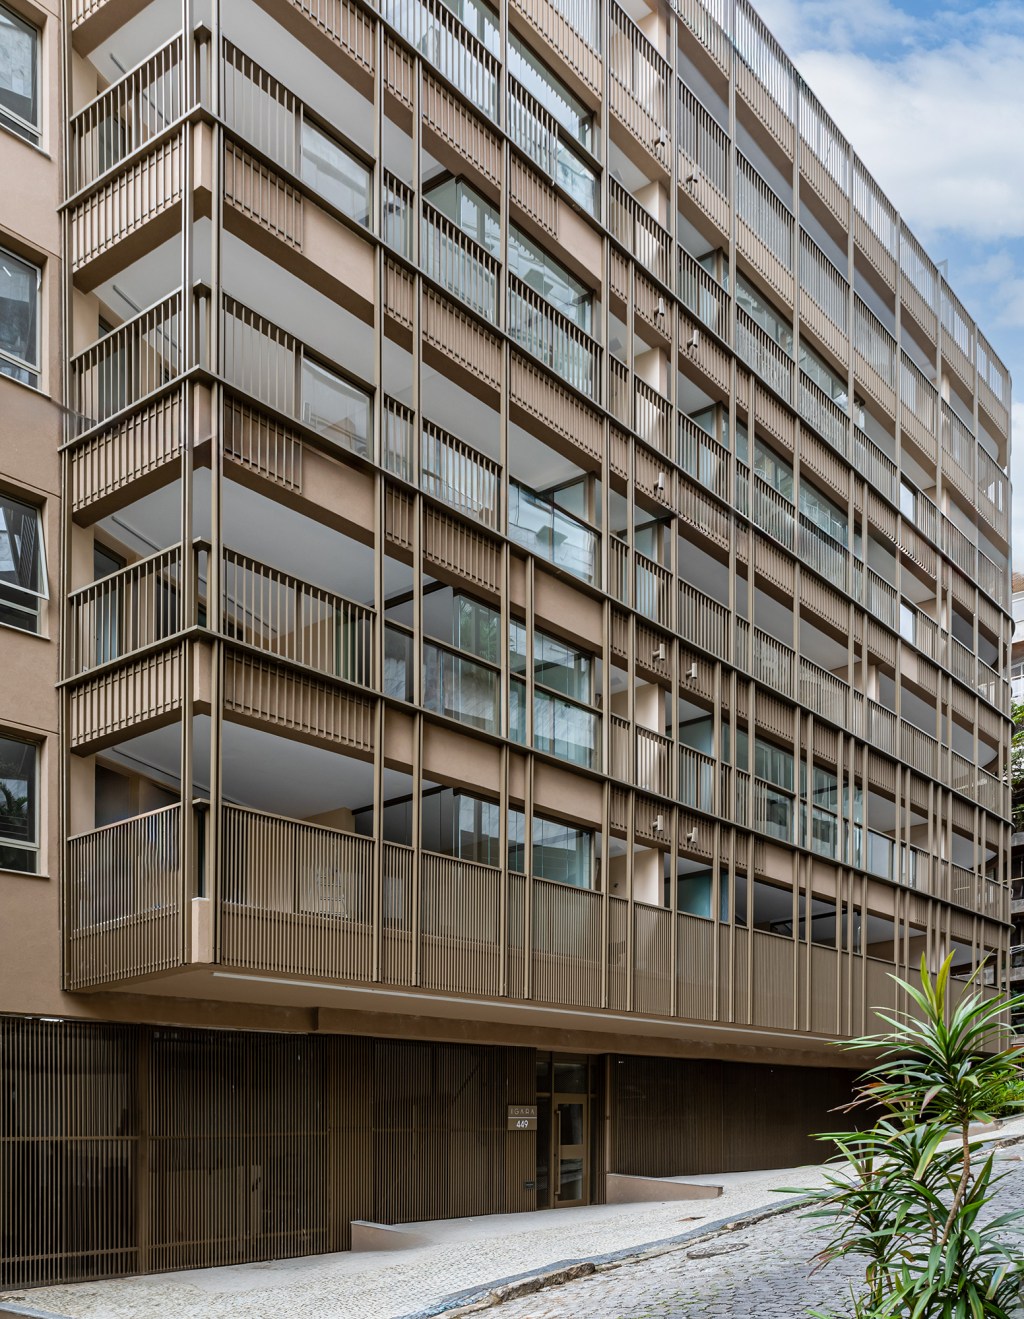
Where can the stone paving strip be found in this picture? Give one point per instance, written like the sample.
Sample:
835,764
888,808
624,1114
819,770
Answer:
469,1260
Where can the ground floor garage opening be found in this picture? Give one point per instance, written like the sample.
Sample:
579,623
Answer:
130,1148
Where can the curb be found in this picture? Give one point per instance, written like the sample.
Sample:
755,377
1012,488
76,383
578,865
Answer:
23,1312
567,1270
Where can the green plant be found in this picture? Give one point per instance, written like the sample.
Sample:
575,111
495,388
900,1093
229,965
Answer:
1016,768
910,1195
1011,1100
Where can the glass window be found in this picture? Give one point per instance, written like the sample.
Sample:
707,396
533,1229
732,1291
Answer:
446,47
693,894
773,469
824,377
335,408
22,564
548,277
19,823
476,628
764,314
560,727
105,562
551,92
561,667
19,75
460,688
565,730
823,513
534,522
465,207
773,764
19,319
560,851
335,174
480,19
458,824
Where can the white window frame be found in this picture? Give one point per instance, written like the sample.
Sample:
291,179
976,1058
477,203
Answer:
44,585
14,123
34,848
34,368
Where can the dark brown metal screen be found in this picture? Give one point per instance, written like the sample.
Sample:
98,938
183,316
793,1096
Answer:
671,1116
132,1148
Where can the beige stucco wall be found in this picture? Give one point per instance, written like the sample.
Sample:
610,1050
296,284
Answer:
30,436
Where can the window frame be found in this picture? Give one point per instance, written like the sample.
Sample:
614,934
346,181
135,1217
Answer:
9,119
44,581
34,848
33,369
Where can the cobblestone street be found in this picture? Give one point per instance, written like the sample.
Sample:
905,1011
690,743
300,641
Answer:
763,1271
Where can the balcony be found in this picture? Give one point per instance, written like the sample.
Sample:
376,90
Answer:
765,226
123,900
290,619
555,340
534,130
703,146
140,107
458,264
641,757
640,80
763,355
301,901
126,366
444,42
124,613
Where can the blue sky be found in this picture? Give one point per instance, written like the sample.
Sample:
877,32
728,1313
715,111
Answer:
931,96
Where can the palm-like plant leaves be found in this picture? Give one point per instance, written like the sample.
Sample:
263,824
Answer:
908,1195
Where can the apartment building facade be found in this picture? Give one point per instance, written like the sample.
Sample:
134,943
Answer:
1015,979
510,532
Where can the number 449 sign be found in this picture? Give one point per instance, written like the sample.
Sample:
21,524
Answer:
522,1117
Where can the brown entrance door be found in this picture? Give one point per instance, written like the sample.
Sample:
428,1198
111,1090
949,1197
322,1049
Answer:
570,1173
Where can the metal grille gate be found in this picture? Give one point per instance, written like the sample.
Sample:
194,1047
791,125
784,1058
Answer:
132,1148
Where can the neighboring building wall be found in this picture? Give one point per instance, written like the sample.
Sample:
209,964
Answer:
31,432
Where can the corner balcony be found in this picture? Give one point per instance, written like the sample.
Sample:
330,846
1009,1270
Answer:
303,910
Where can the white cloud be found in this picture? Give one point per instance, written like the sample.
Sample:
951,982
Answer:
835,24
934,105
940,129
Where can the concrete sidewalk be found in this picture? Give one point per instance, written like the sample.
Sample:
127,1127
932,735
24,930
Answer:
462,1256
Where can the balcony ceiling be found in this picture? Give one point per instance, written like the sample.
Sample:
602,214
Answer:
134,40
154,521
153,276
276,535
261,770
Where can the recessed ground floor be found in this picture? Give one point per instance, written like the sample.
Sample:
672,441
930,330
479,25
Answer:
140,1148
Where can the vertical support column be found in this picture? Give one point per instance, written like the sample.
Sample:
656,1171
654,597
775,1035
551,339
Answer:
189,357
379,517
143,1179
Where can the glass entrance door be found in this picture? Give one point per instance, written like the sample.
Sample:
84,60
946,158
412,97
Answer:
565,1093
569,1171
